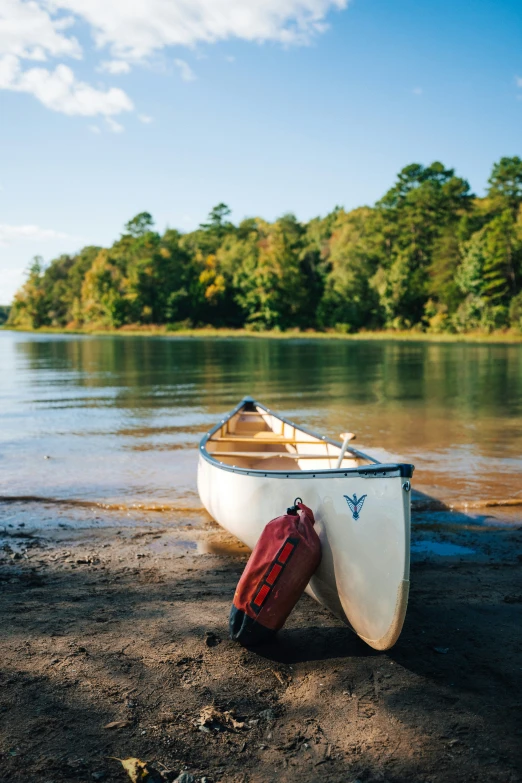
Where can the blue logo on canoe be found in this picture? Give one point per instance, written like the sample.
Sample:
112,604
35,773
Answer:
355,504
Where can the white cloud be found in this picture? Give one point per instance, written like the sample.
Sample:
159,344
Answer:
230,58
519,81
145,119
28,30
134,30
10,234
94,129
115,66
61,91
31,31
187,74
114,126
417,91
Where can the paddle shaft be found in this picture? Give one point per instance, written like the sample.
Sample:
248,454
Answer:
347,437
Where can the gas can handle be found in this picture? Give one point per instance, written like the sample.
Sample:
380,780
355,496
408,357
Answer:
293,509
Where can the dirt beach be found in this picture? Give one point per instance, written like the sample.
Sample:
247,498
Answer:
114,645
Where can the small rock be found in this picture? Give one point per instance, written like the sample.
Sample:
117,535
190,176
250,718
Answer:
90,560
441,650
211,639
214,720
268,715
117,724
98,775
141,770
513,599
185,777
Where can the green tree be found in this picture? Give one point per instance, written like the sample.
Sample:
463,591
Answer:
208,238
30,306
489,276
216,220
140,224
270,287
314,259
505,184
350,300
428,255
103,294
424,203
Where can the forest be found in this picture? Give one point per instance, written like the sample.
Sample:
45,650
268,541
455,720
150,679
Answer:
429,256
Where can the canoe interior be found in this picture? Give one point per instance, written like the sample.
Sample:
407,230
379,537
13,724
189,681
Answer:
257,440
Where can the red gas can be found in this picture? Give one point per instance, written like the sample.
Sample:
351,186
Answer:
278,570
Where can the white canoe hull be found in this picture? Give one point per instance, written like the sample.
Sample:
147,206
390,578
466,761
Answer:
364,573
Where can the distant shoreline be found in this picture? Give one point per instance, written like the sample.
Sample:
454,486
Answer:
163,331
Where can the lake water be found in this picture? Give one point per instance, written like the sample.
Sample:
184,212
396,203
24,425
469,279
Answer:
118,419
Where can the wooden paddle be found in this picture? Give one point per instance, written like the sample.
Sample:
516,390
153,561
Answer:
347,437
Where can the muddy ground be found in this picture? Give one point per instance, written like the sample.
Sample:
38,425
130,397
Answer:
128,626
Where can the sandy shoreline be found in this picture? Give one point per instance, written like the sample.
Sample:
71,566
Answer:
130,624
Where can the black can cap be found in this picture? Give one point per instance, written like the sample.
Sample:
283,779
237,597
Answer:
293,509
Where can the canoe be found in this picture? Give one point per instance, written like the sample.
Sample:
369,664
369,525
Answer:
254,463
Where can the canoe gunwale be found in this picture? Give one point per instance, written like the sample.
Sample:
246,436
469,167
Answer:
375,470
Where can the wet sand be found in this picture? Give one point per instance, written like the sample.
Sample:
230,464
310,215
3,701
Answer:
126,622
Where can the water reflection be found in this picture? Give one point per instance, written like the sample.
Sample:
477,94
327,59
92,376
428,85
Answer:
120,417
441,548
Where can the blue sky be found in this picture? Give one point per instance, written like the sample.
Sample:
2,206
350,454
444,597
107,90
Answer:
109,108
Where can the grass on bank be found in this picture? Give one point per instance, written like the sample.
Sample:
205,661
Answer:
134,330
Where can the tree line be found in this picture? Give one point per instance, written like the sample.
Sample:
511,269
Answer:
430,255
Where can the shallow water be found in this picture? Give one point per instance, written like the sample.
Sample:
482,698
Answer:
117,420
441,548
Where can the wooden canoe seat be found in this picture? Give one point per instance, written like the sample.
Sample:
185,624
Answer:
250,440
270,454
270,440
